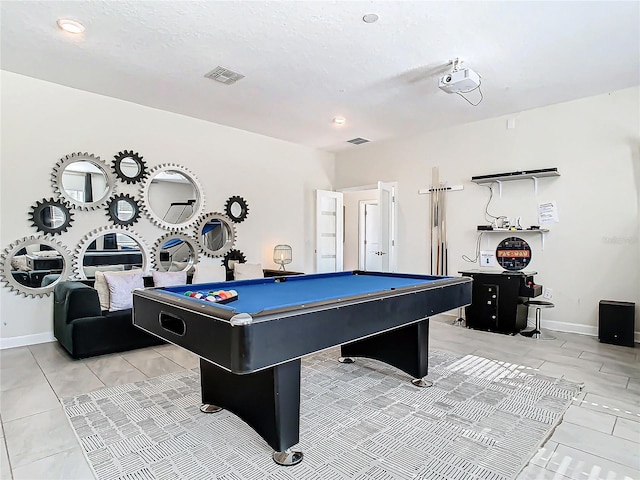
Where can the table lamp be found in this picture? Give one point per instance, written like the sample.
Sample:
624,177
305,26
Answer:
282,255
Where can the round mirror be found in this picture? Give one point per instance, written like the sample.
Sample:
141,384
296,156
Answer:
123,210
175,252
83,181
216,234
110,249
51,216
236,209
172,197
129,166
32,266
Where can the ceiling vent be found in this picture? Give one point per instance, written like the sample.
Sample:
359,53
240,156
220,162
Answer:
358,141
224,75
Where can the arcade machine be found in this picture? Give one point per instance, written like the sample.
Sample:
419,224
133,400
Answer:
498,297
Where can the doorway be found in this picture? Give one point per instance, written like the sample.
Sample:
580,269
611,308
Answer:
369,248
338,228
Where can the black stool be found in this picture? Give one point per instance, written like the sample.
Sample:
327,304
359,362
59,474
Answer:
537,332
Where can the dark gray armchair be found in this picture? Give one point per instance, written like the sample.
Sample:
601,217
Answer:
85,331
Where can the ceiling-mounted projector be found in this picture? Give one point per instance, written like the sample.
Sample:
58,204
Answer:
459,81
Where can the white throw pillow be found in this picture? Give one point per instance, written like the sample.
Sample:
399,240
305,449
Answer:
209,274
121,287
102,288
168,279
247,271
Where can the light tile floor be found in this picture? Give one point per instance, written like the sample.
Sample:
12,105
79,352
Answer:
599,437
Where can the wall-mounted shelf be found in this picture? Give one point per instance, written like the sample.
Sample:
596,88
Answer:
511,176
506,231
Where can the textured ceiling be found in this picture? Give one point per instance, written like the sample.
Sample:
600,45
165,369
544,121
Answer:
307,62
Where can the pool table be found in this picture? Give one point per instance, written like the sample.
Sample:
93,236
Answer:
250,348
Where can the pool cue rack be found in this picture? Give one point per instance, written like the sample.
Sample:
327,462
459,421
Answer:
439,254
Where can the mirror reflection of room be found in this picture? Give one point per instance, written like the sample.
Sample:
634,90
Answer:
124,210
32,262
52,216
111,252
129,167
176,255
173,197
215,235
84,182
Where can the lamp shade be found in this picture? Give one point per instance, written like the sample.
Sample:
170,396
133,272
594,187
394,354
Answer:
282,255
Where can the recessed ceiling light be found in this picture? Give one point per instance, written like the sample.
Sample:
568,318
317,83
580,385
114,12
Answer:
70,26
370,18
339,120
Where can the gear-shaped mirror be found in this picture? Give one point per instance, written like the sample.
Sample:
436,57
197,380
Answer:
172,197
232,257
129,166
123,210
32,266
236,209
83,181
111,249
51,216
175,252
216,234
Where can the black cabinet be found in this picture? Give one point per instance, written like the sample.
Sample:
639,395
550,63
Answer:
498,300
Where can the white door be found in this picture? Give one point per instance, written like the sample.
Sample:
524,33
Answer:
329,231
387,227
371,258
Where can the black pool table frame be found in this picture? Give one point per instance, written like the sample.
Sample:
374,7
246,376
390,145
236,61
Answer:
251,365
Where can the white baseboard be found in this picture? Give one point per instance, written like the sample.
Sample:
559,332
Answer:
12,342
565,327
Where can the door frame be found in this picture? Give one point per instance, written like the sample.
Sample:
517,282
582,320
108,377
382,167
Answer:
362,247
393,224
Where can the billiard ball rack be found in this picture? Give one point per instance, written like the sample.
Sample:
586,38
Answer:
213,296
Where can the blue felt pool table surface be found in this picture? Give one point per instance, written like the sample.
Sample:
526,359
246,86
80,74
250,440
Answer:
272,293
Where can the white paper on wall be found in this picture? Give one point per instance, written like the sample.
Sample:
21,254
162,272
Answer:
488,258
547,212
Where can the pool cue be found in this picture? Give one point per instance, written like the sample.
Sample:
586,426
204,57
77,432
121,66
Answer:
439,236
443,223
430,226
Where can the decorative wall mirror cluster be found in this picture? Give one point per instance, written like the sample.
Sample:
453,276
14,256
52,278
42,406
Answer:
110,249
172,197
216,234
83,181
51,216
175,252
33,265
129,166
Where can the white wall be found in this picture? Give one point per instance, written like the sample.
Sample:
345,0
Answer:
42,122
592,254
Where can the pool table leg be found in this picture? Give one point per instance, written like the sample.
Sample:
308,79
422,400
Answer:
268,400
406,348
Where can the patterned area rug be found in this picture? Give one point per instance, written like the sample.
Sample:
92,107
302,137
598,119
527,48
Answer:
483,419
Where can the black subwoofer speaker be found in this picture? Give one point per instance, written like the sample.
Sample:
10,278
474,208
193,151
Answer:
616,321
